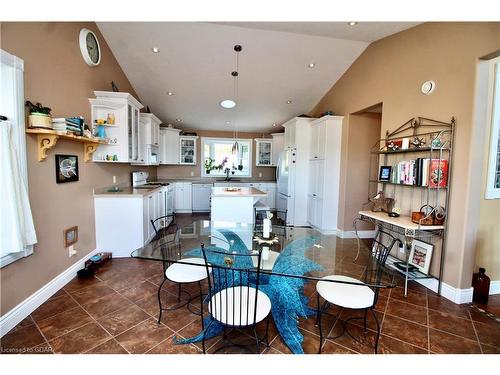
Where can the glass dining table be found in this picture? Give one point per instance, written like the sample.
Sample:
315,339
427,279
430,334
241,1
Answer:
293,257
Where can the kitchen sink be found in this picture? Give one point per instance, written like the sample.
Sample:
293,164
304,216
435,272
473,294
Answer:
230,180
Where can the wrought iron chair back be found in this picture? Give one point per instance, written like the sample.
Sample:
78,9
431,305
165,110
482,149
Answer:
230,275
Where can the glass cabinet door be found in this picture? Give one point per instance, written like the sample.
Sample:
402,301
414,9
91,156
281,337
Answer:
130,132
264,153
187,150
136,135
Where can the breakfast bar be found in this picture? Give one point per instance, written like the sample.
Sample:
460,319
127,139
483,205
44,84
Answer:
234,204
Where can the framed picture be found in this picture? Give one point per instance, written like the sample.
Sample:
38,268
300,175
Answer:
385,173
66,168
421,255
70,236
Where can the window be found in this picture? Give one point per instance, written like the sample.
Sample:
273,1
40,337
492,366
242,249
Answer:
493,178
217,157
17,234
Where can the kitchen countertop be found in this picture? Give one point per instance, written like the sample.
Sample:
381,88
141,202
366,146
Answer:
124,192
242,192
206,180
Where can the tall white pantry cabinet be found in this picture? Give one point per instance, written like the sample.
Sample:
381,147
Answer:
324,173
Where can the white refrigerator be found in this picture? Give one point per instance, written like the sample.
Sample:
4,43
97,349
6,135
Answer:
285,178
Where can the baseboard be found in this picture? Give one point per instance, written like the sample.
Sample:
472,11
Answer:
352,234
449,292
30,304
495,287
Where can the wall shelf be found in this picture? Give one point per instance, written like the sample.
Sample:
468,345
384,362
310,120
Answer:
47,139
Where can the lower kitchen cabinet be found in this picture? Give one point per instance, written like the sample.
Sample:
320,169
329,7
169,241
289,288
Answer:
183,197
123,223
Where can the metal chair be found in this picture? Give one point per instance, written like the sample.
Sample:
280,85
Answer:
350,293
278,219
191,270
234,298
168,226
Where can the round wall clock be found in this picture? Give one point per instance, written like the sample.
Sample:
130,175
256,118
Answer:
89,46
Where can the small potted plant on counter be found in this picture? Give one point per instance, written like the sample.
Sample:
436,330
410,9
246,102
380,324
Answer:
39,116
209,165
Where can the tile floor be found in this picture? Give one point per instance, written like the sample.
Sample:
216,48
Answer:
116,312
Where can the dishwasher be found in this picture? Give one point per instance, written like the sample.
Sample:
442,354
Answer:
201,197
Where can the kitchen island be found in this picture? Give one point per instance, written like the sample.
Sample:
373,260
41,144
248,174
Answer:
234,204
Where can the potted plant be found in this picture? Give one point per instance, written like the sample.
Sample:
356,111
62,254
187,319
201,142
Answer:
39,116
209,165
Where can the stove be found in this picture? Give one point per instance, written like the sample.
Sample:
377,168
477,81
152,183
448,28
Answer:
140,181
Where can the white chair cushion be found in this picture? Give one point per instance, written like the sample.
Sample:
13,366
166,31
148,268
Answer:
345,295
187,273
230,302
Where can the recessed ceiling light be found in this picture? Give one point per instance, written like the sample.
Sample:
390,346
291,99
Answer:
311,65
288,102
228,103
178,119
352,23
274,124
170,93
227,122
155,49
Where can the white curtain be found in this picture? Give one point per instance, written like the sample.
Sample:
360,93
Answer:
17,232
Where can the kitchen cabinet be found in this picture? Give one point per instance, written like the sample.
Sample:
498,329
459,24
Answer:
278,146
187,150
264,152
123,133
183,197
149,134
290,131
123,223
169,146
324,173
318,140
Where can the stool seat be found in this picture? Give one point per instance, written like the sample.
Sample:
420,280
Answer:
187,273
345,295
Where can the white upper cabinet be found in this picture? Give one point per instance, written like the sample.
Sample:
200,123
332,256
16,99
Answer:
169,146
278,146
115,117
264,152
151,127
318,140
148,141
290,132
187,149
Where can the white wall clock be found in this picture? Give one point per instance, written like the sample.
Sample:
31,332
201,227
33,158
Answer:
89,46
428,87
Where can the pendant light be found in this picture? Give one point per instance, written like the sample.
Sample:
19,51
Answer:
235,150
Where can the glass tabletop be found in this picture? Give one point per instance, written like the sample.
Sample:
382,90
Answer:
297,252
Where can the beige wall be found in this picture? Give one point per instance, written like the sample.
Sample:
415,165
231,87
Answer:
169,171
56,75
362,133
391,71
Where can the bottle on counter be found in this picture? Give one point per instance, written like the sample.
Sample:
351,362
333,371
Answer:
481,285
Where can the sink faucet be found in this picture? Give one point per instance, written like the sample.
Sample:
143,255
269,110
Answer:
227,170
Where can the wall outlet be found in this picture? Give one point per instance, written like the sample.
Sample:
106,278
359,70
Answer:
260,174
192,173
71,251
114,179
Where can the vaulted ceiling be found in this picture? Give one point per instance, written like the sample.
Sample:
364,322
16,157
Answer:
195,61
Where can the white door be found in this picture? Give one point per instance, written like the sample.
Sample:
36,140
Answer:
311,206
145,219
152,212
321,140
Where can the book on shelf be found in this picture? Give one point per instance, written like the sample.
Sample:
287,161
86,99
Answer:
421,172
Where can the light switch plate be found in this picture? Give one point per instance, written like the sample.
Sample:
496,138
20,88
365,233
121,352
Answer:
71,251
